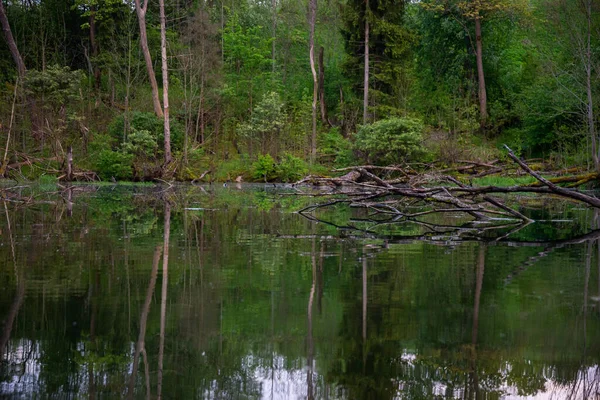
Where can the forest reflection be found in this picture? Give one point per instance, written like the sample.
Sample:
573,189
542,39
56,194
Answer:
256,301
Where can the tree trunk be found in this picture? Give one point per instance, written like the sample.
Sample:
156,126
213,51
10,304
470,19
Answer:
366,83
141,13
94,46
165,74
274,33
10,41
322,87
69,163
480,75
588,87
312,15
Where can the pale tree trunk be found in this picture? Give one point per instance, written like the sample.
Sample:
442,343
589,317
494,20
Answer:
366,83
10,41
165,74
141,13
312,16
480,75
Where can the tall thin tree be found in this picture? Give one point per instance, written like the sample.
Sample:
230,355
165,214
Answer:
312,16
165,74
366,82
141,13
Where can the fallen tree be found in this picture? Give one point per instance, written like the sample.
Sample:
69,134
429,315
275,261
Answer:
394,199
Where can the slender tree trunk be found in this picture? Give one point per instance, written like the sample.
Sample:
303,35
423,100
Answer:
324,119
480,75
273,35
10,41
222,30
312,16
94,46
588,86
69,163
165,73
141,13
366,83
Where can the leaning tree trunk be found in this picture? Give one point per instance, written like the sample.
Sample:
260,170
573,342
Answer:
165,73
10,41
480,75
366,84
312,15
141,13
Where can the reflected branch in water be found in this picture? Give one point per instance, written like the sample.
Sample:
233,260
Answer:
140,345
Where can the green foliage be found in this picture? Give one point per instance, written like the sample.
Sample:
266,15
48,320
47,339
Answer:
291,168
267,121
230,169
57,85
390,141
115,164
334,147
264,168
150,123
140,143
390,43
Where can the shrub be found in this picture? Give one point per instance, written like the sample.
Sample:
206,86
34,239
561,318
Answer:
264,168
335,147
140,143
114,164
145,121
390,141
291,168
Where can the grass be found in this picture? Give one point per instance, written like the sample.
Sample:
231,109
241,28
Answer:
503,181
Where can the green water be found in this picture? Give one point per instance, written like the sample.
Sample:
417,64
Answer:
253,300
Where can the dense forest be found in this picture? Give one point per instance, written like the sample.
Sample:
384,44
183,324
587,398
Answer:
273,90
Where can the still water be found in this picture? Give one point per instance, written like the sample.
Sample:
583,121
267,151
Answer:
229,293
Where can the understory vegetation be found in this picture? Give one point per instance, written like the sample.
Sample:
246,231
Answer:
257,93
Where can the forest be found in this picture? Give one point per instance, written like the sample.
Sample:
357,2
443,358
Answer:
258,90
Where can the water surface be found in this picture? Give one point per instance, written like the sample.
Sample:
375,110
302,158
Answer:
212,292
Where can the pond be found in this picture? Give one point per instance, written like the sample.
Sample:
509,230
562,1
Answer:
228,292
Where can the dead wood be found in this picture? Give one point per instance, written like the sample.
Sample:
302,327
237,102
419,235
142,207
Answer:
387,197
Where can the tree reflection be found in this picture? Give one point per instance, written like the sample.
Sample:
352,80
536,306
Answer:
140,344
163,299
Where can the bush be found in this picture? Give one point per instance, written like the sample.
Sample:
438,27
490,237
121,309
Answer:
145,121
264,168
335,147
114,164
291,168
140,143
390,141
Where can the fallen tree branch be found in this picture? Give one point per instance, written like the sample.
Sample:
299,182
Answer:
593,201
